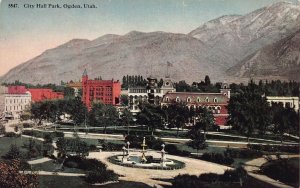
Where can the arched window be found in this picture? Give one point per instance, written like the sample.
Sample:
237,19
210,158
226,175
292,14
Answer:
198,99
177,99
188,99
215,100
167,99
206,99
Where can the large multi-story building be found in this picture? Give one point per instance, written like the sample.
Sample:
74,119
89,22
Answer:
16,100
139,94
44,94
216,102
105,91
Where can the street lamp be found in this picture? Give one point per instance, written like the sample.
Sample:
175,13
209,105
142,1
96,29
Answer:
123,148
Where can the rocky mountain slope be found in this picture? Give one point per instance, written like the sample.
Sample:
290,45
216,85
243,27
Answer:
240,36
210,50
281,59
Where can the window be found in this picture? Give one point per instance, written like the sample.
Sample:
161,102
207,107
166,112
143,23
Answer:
206,99
198,99
188,99
215,100
167,99
177,99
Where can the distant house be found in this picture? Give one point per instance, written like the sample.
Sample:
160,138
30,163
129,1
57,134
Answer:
292,102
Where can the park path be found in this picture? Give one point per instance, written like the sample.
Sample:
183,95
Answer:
41,172
254,165
152,177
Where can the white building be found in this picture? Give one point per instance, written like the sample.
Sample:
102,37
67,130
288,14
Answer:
292,102
15,104
137,94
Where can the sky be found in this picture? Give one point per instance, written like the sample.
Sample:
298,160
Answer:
27,32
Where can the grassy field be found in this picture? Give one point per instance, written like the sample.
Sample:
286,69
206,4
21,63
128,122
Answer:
5,143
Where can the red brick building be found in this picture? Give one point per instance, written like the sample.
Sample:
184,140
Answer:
16,90
44,94
216,102
105,91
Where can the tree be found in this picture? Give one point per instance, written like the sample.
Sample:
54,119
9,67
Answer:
177,115
127,119
205,120
249,111
207,80
103,115
12,177
77,111
284,119
150,115
197,138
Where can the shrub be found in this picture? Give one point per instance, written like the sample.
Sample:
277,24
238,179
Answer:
13,153
275,148
101,176
93,147
108,146
217,158
209,177
173,150
242,153
209,180
59,134
26,125
11,134
71,164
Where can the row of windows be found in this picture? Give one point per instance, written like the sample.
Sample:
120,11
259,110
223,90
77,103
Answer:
101,94
190,100
10,108
10,101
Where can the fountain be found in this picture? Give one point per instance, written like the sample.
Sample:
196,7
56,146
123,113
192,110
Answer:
143,158
139,159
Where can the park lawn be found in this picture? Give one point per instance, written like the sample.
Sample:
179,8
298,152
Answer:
51,166
6,142
284,170
78,182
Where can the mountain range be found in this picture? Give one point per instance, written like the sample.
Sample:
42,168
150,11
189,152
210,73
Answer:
262,44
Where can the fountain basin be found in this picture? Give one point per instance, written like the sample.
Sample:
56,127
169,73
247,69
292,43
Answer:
134,161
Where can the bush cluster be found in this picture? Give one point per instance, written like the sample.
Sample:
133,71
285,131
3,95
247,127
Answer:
173,150
97,171
108,146
11,134
243,153
209,179
217,158
275,148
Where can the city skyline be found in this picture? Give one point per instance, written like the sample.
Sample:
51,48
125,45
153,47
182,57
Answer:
27,32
